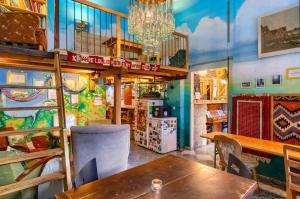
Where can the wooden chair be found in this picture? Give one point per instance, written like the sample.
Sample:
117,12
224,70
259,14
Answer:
225,146
292,170
237,167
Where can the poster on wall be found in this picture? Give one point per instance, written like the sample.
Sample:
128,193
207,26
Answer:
16,78
246,84
260,83
97,100
279,33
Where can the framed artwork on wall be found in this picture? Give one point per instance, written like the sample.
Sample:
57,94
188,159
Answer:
16,78
246,84
279,32
38,82
260,83
292,73
276,79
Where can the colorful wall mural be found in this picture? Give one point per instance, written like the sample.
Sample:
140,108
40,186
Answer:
80,103
247,66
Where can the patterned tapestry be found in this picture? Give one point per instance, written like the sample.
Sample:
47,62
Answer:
286,119
250,116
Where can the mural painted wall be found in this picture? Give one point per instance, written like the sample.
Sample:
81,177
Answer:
80,103
247,66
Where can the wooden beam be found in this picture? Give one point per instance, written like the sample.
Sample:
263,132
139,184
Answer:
11,50
28,108
117,99
29,156
25,184
93,5
27,131
20,66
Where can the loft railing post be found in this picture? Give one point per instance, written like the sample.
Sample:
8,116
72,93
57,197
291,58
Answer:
56,24
187,52
118,26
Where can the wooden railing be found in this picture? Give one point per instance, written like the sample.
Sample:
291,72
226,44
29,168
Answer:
86,27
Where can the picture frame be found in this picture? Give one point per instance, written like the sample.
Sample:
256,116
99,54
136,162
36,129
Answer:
276,79
260,83
38,82
247,84
16,78
278,32
292,73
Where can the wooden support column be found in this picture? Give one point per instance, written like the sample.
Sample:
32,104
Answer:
118,78
158,58
117,99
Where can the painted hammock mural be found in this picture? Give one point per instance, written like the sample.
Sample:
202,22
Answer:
35,94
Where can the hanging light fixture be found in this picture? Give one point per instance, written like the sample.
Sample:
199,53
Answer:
151,21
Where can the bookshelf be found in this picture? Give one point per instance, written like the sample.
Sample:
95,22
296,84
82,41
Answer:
38,7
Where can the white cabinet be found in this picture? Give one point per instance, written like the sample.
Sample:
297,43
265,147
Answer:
162,137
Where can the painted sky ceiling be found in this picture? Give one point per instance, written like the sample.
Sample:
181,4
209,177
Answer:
122,5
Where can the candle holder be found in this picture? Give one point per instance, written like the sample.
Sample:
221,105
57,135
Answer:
156,185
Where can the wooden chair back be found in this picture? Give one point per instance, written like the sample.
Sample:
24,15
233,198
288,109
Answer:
225,146
292,169
237,167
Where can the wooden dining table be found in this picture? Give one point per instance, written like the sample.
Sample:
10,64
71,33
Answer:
181,179
256,144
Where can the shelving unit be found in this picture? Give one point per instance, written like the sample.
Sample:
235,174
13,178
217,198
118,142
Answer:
37,7
63,151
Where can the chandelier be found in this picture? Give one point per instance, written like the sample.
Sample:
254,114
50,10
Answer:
151,21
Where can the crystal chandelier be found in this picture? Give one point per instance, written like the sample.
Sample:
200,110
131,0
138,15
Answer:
151,21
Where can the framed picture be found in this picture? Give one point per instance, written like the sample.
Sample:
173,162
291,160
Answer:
246,84
38,82
279,32
260,83
276,80
292,73
16,78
